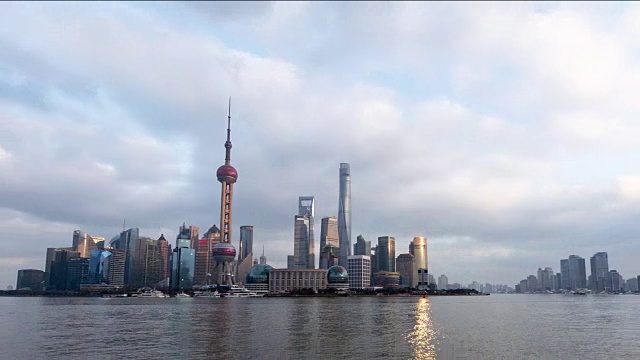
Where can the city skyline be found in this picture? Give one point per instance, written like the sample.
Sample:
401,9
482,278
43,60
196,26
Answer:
466,125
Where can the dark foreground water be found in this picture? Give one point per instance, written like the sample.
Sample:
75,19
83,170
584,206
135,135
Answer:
482,327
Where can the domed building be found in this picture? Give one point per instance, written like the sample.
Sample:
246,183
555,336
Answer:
258,278
337,278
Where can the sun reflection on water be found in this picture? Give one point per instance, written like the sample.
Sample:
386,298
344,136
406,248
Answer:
423,336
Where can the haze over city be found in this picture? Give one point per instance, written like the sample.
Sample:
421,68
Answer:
505,133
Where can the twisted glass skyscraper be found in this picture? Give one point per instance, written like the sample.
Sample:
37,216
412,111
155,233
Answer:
344,214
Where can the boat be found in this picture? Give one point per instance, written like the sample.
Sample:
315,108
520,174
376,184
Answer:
206,294
580,292
183,295
237,291
150,293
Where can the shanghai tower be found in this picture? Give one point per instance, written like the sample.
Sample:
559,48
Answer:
224,253
344,214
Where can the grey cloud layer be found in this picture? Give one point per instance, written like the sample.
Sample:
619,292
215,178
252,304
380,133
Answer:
122,115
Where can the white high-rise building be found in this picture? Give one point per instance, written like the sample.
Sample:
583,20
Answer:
443,282
359,270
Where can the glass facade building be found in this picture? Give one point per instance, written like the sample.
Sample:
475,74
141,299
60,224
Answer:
344,213
182,265
386,254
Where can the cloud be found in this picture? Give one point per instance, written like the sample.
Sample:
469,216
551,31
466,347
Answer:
508,125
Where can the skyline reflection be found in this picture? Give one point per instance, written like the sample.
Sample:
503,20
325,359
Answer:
423,337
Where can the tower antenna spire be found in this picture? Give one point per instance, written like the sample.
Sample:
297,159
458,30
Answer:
227,144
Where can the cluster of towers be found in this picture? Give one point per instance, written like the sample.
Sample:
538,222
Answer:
335,232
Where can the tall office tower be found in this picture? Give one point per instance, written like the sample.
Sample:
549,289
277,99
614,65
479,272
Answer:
245,253
205,263
263,259
599,270
84,244
129,242
328,237
418,248
359,270
165,253
564,274
374,260
344,213
577,272
291,262
306,207
532,283
614,281
362,247
386,254
183,260
246,241
404,265
443,282
301,243
31,279
77,273
224,253
99,267
116,267
58,268
558,282
152,264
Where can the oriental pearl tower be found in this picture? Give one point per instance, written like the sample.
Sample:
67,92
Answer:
224,253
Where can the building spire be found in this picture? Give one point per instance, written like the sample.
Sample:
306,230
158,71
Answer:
227,144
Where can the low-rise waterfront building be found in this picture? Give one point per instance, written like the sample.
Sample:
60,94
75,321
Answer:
285,280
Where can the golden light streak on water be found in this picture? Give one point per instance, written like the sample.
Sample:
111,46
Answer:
423,336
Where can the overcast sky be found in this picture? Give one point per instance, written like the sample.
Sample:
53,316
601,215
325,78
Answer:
507,133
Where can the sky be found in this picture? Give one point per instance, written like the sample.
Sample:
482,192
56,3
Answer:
506,133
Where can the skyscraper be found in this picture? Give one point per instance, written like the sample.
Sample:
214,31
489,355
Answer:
599,271
306,207
246,241
129,242
165,254
224,253
328,237
245,255
418,248
443,282
386,254
301,243
84,244
204,253
362,247
182,264
404,265
574,274
578,272
344,213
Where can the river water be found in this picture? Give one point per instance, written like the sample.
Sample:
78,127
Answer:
473,327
